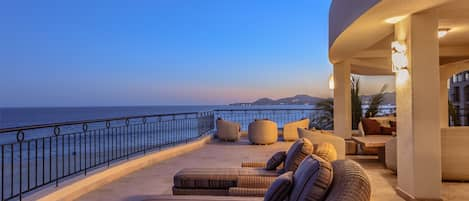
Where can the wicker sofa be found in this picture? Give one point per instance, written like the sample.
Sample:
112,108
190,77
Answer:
227,130
317,137
315,179
290,130
263,131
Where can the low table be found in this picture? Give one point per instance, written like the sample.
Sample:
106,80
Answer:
375,141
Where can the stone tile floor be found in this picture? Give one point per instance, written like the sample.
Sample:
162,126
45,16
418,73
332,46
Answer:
158,179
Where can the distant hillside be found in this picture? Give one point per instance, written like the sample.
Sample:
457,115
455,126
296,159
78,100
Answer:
295,100
389,99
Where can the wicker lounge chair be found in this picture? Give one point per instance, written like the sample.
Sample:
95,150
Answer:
263,132
228,131
315,179
290,130
238,181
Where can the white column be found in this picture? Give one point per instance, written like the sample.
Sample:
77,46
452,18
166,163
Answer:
342,100
418,109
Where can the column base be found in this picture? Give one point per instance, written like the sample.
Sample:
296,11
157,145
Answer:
404,195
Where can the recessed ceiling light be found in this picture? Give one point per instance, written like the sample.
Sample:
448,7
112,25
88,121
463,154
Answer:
394,20
442,32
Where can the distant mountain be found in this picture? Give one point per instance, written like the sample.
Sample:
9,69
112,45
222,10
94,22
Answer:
389,99
295,100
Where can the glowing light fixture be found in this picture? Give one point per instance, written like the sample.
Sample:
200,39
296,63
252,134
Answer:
399,56
331,82
442,32
394,20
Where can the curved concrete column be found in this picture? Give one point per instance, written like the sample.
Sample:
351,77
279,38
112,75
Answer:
342,100
418,109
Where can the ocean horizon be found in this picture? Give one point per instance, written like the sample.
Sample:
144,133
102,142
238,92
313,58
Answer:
25,116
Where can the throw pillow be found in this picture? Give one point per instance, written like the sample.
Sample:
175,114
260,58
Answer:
280,188
276,160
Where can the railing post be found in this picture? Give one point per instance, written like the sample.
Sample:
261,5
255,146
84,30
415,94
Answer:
127,134
85,129
144,136
20,138
56,133
108,126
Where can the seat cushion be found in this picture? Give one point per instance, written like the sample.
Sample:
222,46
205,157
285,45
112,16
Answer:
350,183
312,179
247,192
216,178
326,151
280,189
276,160
371,126
387,130
297,152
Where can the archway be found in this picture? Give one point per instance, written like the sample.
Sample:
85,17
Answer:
454,94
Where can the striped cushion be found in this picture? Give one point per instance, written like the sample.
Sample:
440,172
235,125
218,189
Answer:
312,179
216,178
247,192
276,160
255,181
281,187
193,191
326,151
297,152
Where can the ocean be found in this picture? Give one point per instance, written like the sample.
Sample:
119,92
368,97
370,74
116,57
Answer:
15,117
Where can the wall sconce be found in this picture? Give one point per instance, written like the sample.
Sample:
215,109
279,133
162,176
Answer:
331,82
442,32
399,56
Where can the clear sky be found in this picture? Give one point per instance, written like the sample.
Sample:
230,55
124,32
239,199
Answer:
161,52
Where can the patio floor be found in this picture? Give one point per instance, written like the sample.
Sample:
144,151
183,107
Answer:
158,179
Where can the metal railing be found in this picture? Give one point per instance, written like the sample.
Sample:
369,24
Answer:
280,116
36,156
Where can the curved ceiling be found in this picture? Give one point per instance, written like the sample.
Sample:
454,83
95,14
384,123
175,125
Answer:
365,42
371,27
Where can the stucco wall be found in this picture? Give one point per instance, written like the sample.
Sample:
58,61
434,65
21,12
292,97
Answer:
454,153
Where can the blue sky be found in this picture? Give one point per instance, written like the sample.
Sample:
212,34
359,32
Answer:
161,52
